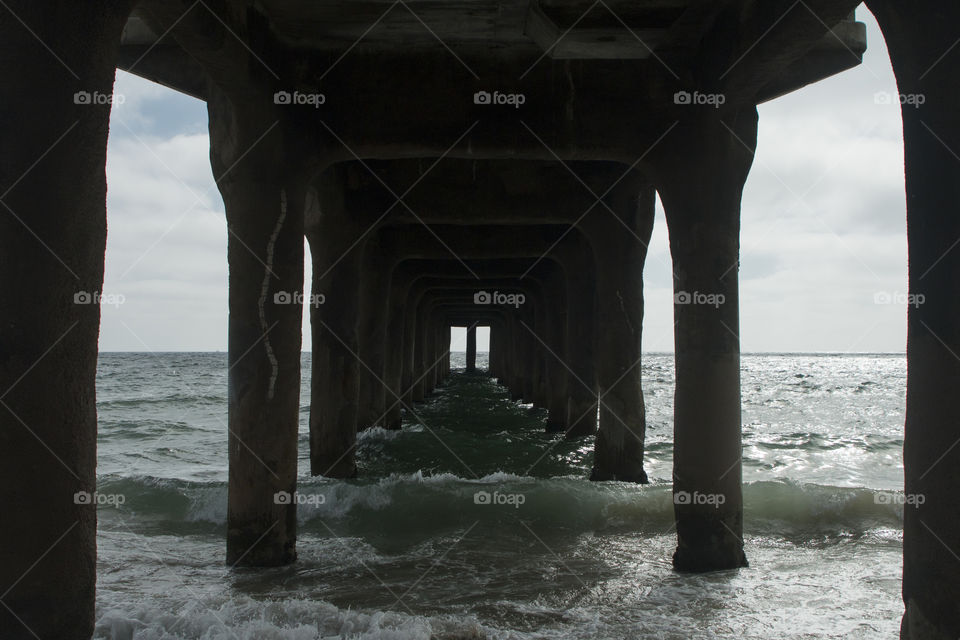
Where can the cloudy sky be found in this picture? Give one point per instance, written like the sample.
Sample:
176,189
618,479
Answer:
823,235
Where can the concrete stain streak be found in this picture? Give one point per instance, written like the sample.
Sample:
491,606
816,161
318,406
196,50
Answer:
268,271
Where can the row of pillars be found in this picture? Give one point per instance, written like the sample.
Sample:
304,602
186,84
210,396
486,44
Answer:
52,239
564,303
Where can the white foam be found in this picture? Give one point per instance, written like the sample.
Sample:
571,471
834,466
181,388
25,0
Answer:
243,618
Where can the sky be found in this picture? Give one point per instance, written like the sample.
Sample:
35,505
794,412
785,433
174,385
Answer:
823,240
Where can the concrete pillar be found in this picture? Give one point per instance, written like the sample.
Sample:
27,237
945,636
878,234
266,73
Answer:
620,235
335,386
438,349
579,355
515,372
52,240
529,350
265,253
419,388
472,348
555,339
700,178
374,291
443,349
492,352
921,39
394,369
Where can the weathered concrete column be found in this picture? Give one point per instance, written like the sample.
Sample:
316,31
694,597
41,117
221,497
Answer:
555,339
418,385
619,234
374,292
443,350
395,369
526,353
335,386
472,349
700,177
579,357
922,41
447,338
493,353
265,210
52,239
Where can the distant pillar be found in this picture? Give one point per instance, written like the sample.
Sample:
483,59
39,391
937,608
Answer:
515,378
418,385
579,357
921,38
445,337
528,348
555,338
394,353
374,291
700,179
335,385
620,235
52,240
472,348
265,253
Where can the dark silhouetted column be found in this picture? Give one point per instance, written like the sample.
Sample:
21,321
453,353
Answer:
921,38
472,348
714,152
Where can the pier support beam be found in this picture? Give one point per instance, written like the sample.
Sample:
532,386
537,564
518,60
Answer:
713,152
620,235
374,293
579,355
53,231
264,209
335,385
922,43
472,348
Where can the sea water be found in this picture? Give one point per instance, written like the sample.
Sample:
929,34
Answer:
471,522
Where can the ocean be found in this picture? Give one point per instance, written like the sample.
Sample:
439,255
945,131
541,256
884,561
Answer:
471,522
